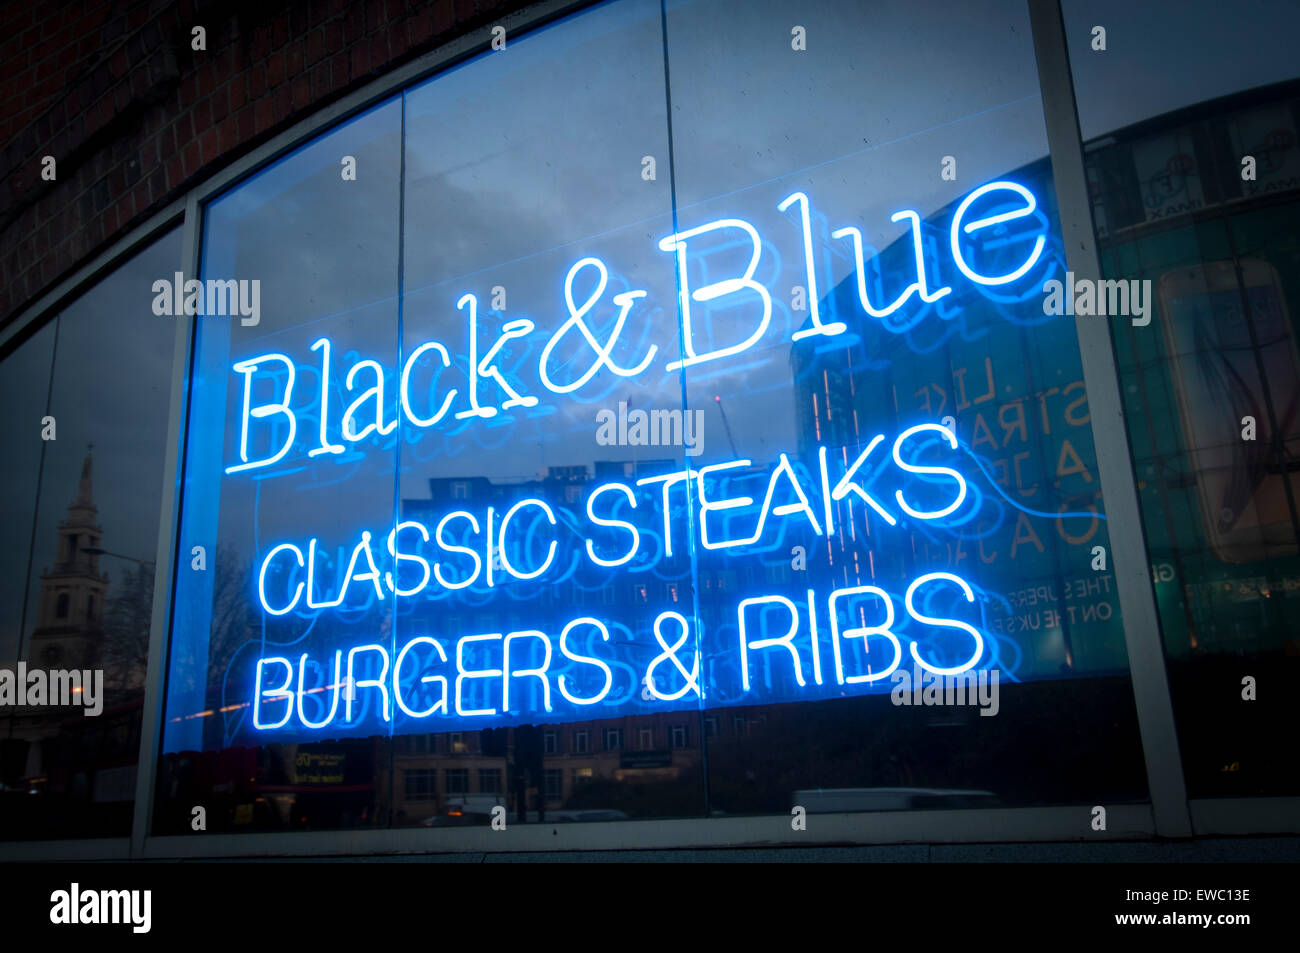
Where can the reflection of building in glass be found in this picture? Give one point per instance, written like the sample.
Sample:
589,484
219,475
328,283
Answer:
54,751
563,767
70,613
1177,204
1204,203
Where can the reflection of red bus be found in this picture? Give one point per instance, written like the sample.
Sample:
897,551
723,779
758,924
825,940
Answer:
70,775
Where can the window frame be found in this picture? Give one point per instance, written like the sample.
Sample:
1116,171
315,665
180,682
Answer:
556,775
462,777
498,786
428,775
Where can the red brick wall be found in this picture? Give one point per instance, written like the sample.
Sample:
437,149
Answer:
133,116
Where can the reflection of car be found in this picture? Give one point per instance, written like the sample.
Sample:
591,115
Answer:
455,820
466,809
829,800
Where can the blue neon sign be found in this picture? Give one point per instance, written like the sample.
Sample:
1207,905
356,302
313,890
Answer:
484,372
774,643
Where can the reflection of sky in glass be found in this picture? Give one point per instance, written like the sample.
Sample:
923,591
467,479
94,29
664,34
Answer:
1165,55
111,388
855,123
514,200
325,250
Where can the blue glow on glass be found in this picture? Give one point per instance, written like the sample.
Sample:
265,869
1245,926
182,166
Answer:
481,364
847,485
372,575
624,302
913,468
707,506
409,557
323,344
247,368
261,580
815,639
485,368
601,521
1028,209
260,693
677,243
489,563
354,684
453,548
814,307
586,659
669,480
954,623
405,393
334,705
746,646
827,498
501,544
540,672
639,666
377,393
786,509
441,703
311,579
863,633
464,674
690,679
916,287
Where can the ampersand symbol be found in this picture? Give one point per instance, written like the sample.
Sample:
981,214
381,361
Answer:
624,301
670,652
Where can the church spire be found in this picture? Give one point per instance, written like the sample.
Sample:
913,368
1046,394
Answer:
85,494
83,511
70,616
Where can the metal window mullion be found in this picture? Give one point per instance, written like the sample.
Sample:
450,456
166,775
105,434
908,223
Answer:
1129,560
168,546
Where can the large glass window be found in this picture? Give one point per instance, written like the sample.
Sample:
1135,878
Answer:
699,394
87,399
871,146
313,240
542,213
1195,183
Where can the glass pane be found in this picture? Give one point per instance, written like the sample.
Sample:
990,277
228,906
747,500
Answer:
89,605
1163,55
1197,210
25,391
290,454
899,499
542,212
